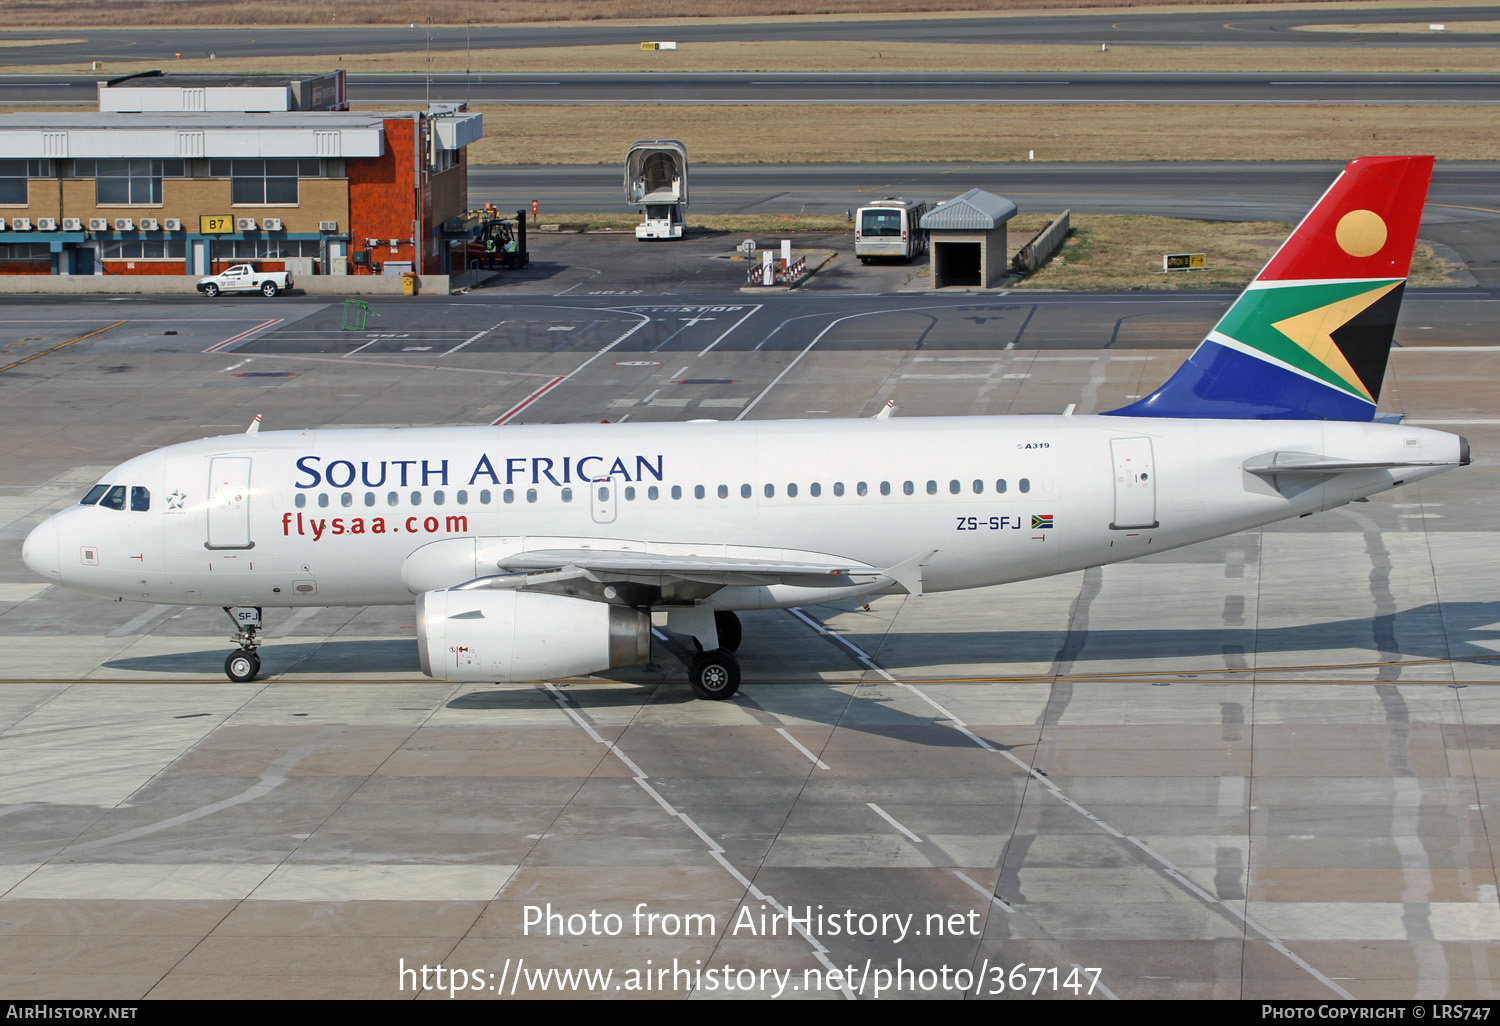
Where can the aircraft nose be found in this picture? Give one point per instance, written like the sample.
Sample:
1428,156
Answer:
39,551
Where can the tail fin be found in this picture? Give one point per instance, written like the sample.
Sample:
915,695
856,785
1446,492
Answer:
1308,339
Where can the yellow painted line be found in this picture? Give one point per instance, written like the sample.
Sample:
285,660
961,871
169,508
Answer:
60,345
1460,206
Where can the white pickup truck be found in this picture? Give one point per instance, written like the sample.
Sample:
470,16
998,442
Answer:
245,278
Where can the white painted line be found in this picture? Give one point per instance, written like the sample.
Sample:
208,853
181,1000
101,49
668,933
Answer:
472,339
243,335
356,349
127,629
802,748
727,330
715,850
994,898
892,821
533,397
1162,863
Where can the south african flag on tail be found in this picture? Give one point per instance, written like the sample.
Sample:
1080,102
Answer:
1308,339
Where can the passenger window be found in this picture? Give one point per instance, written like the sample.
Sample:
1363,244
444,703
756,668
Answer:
392,499
770,491
744,491
461,497
508,495
978,487
885,488
323,499
838,488
299,500
96,493
931,487
140,499
629,495
862,489
437,498
484,497
815,489
677,491
908,488
1000,486
347,499
653,493
791,491
369,498
114,498
723,491
531,495
954,487
698,492
1025,484
416,498
567,495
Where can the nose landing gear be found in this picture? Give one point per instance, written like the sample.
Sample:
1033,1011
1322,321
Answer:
244,665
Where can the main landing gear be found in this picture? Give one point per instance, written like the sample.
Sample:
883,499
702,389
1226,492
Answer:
244,664
715,675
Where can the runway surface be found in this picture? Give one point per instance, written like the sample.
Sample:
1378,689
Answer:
741,88
1237,26
1263,767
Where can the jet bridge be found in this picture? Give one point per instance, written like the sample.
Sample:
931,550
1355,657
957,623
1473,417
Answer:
656,181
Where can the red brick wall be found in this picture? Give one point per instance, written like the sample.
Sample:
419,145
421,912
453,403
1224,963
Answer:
382,196
25,267
178,267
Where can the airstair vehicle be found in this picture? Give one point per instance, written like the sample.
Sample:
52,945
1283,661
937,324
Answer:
656,181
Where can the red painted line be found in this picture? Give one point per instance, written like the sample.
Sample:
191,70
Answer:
243,335
533,397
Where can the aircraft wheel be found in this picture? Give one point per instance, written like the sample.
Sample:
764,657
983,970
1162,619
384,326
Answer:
714,675
730,631
242,666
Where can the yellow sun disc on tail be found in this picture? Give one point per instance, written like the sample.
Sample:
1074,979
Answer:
1360,233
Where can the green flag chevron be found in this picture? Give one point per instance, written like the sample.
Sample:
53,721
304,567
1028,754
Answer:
1295,322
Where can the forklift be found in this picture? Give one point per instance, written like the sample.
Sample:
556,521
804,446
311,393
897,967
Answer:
509,237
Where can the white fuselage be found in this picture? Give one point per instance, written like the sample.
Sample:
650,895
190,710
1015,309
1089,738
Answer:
356,517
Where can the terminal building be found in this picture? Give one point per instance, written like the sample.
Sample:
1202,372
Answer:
185,176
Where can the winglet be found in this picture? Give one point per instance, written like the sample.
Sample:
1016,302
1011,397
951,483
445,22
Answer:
254,428
886,410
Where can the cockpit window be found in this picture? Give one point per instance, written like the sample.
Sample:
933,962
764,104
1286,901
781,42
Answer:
140,499
93,495
114,498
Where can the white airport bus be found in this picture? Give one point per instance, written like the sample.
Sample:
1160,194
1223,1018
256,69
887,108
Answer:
888,228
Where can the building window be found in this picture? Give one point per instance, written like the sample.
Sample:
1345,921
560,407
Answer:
144,249
25,251
14,175
127,181
264,182
265,249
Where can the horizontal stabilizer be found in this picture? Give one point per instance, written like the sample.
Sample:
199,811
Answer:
1308,463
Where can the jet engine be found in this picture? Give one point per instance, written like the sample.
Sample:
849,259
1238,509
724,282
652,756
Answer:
483,635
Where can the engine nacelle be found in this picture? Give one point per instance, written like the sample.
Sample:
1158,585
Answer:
483,635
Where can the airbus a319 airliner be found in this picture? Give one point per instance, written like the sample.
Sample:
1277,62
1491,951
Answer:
540,552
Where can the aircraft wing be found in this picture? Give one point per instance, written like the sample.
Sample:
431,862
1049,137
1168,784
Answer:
721,571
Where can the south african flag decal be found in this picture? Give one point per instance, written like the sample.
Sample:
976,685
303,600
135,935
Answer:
1040,520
